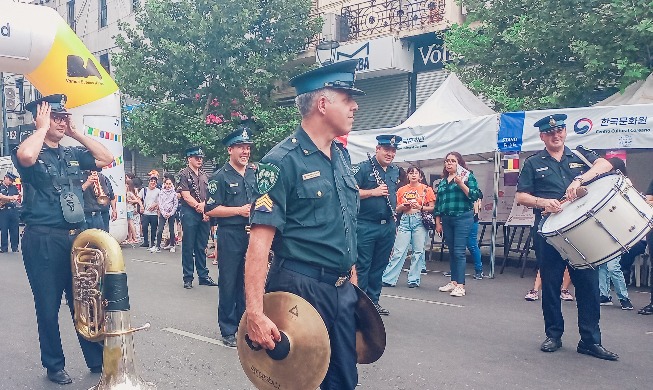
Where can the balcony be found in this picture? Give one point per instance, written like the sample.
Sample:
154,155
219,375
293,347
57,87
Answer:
373,17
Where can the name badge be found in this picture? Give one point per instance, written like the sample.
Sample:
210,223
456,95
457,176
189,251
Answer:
74,163
541,169
233,184
311,175
576,165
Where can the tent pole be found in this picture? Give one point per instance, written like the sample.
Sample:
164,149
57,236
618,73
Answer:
495,202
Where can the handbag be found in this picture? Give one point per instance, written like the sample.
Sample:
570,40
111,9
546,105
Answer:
427,218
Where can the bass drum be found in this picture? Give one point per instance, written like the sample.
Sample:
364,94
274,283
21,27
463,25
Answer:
600,226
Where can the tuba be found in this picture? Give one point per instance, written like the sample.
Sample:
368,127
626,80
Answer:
101,307
102,198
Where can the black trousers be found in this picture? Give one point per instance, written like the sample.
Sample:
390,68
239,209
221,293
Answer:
375,242
628,258
586,283
232,245
337,306
162,225
46,255
193,244
151,221
9,229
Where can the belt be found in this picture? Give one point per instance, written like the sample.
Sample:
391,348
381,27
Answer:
93,213
377,221
53,230
318,273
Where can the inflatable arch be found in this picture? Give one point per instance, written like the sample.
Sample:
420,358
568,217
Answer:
36,42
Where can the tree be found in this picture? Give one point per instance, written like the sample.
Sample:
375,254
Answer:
532,54
201,67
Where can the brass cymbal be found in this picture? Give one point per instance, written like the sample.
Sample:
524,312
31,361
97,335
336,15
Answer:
370,331
300,361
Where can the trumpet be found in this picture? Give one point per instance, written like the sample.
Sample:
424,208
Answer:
102,198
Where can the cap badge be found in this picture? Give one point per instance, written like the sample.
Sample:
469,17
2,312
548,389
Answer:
552,122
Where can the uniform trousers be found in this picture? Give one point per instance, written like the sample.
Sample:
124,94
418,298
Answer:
193,244
375,242
337,306
9,229
46,255
232,242
586,283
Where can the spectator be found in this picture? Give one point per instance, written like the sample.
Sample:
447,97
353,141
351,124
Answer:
472,241
132,201
149,197
168,202
565,295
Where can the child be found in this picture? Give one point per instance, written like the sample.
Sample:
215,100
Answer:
168,203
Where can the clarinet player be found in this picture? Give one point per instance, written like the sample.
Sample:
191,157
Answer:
377,181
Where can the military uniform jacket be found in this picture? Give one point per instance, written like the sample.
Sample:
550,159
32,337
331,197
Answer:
8,191
196,184
228,188
375,208
312,201
52,174
545,177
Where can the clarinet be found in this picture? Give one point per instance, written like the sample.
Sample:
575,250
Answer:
380,181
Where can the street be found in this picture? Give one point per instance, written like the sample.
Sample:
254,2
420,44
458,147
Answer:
488,339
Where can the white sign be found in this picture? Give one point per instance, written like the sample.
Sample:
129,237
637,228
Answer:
15,40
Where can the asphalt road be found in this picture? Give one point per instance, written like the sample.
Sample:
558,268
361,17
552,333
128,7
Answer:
487,340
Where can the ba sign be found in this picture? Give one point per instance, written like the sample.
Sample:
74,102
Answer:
430,53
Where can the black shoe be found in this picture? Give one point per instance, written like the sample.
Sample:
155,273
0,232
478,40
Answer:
15,250
2,251
551,345
144,245
626,304
188,284
596,350
646,310
381,311
208,282
96,369
413,285
387,284
605,301
229,341
60,377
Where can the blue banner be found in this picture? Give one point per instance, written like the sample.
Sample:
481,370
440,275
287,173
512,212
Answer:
511,131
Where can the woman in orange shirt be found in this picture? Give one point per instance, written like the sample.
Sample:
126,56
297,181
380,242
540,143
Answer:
412,198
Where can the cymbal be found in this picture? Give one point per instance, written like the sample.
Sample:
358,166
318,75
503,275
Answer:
370,331
301,359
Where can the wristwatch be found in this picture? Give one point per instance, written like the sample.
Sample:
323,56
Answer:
579,179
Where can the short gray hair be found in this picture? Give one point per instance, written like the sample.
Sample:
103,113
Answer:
306,101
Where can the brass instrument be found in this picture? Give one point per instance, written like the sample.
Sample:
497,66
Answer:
101,305
102,198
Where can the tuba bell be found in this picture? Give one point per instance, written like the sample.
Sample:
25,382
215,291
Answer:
101,308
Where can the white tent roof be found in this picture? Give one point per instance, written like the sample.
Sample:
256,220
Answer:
640,92
452,101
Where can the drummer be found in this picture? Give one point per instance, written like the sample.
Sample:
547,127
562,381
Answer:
548,176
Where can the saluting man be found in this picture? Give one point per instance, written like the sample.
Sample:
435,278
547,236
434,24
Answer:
376,219
9,213
547,177
309,205
53,212
192,186
231,192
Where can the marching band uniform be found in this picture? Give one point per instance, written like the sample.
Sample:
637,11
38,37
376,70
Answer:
53,215
229,188
312,201
9,216
545,177
194,225
376,229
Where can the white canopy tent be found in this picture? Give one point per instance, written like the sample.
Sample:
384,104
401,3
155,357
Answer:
640,92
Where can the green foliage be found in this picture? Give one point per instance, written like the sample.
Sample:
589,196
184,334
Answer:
533,54
201,67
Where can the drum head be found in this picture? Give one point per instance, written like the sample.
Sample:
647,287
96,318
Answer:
598,190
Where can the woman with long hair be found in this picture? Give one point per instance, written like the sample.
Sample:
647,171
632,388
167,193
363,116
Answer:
412,199
454,216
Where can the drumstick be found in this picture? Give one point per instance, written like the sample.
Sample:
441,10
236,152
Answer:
580,192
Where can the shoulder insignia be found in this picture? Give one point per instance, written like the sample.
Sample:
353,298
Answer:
355,169
266,177
264,204
212,187
210,200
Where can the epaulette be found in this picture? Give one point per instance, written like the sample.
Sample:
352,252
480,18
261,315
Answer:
586,151
280,150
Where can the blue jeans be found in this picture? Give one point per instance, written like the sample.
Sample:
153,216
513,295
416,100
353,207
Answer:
612,270
411,232
456,235
474,250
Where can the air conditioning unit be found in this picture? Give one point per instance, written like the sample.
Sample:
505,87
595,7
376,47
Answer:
335,28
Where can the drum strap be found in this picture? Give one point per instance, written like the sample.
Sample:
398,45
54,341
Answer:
582,158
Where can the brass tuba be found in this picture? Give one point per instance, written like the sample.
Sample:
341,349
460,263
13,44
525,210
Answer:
98,191
101,303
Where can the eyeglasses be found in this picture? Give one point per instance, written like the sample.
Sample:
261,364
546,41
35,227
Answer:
58,119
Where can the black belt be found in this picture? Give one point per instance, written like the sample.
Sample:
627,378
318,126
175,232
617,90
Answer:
378,221
318,273
52,230
93,213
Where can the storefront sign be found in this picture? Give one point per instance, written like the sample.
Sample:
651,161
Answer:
429,52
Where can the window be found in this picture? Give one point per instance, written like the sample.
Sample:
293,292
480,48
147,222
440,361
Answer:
105,62
103,13
70,12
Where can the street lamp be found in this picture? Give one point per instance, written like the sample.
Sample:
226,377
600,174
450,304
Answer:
327,45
